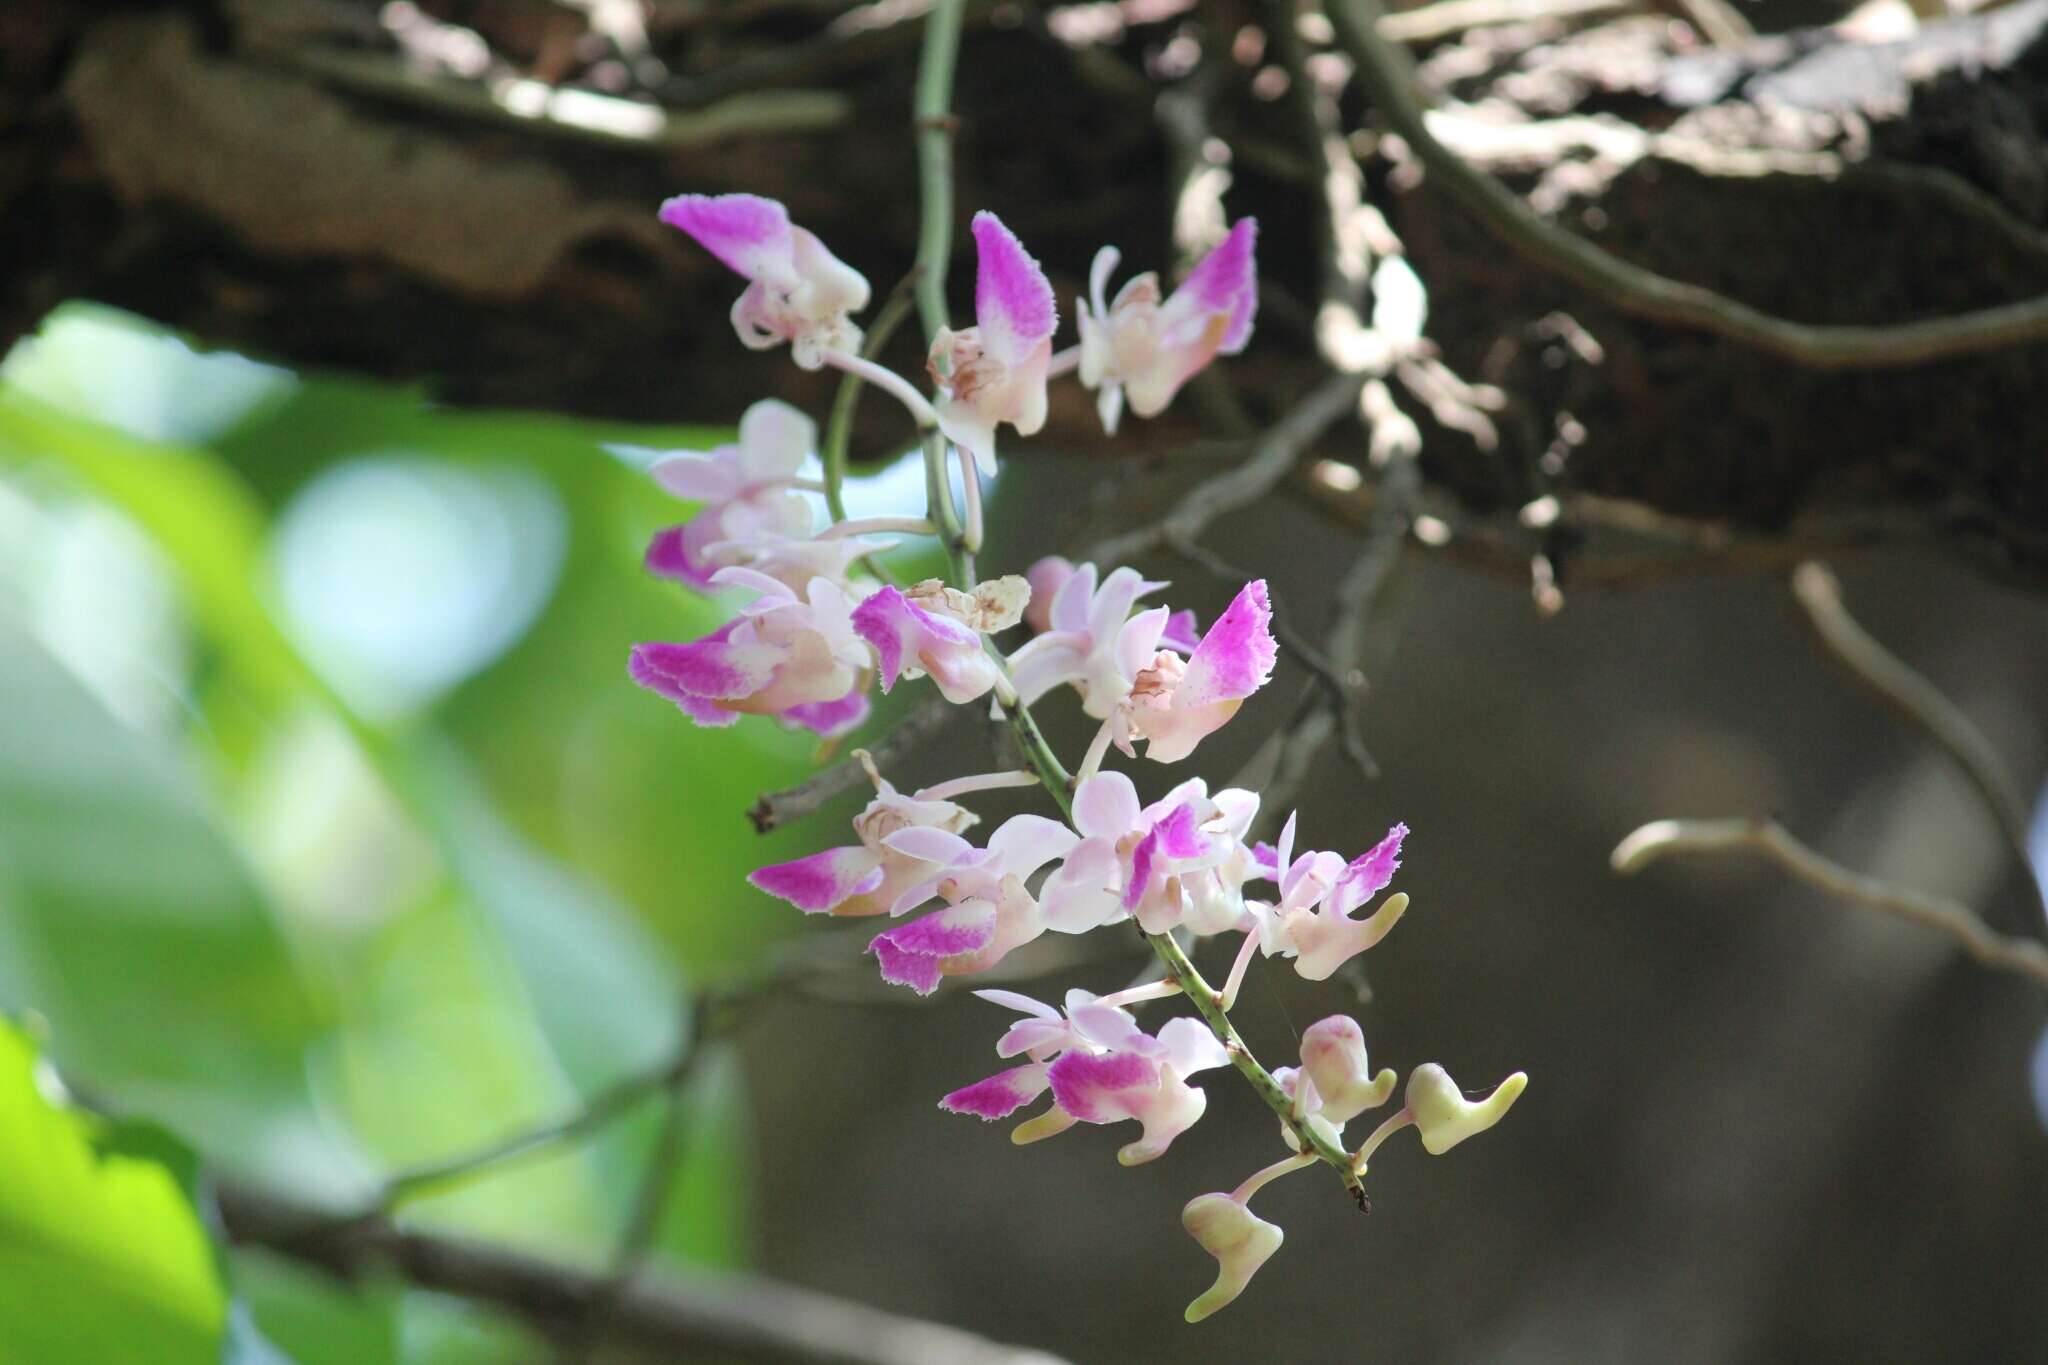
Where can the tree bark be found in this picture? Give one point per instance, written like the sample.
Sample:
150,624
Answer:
461,202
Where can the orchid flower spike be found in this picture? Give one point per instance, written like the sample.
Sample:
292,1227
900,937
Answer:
1239,1239
797,291
1445,1117
1173,704
996,370
933,629
1141,350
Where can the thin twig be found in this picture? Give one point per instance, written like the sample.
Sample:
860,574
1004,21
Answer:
1922,704
723,1316
650,1201
839,426
1645,293
777,808
1356,595
595,1113
1271,457
1659,838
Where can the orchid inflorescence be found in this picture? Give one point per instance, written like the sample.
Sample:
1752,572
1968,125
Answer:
814,632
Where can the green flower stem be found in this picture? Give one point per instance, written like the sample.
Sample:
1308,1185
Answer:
1210,1003
839,427
934,122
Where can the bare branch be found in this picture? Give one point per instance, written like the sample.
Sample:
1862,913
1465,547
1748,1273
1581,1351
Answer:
663,1317
2023,957
1922,704
1645,293
776,809
1272,456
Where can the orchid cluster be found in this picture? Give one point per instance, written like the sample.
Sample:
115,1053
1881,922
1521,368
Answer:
814,631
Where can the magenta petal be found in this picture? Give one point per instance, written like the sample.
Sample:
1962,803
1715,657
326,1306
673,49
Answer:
1000,1095
1086,1085
1227,281
750,234
1236,657
1372,871
896,626
830,719
710,667
1179,834
1182,634
822,880
668,556
1266,862
915,970
946,933
1013,301
1142,858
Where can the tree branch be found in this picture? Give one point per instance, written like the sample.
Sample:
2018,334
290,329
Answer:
745,1317
2023,957
1923,705
1644,292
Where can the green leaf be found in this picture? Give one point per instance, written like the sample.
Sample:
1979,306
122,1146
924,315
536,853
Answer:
102,1257
129,921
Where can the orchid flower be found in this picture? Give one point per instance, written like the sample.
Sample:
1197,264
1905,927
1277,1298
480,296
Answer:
1445,1117
988,912
1239,1239
1091,641
1318,891
865,878
1176,862
937,630
797,291
745,489
788,656
996,370
1141,350
1101,1068
1173,704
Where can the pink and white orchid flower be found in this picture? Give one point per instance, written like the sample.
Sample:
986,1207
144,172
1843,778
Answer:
746,491
797,291
1178,862
865,878
1312,920
1101,1068
988,912
1173,704
1141,350
936,630
1090,640
996,370
793,657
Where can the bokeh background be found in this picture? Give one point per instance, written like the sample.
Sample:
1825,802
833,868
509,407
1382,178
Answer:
333,837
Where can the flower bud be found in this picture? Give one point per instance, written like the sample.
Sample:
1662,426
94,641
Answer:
1239,1239
1333,1055
1445,1117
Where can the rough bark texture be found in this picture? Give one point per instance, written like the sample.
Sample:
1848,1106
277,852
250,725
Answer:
307,180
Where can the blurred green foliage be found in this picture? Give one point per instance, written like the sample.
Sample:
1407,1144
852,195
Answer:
331,832
102,1256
